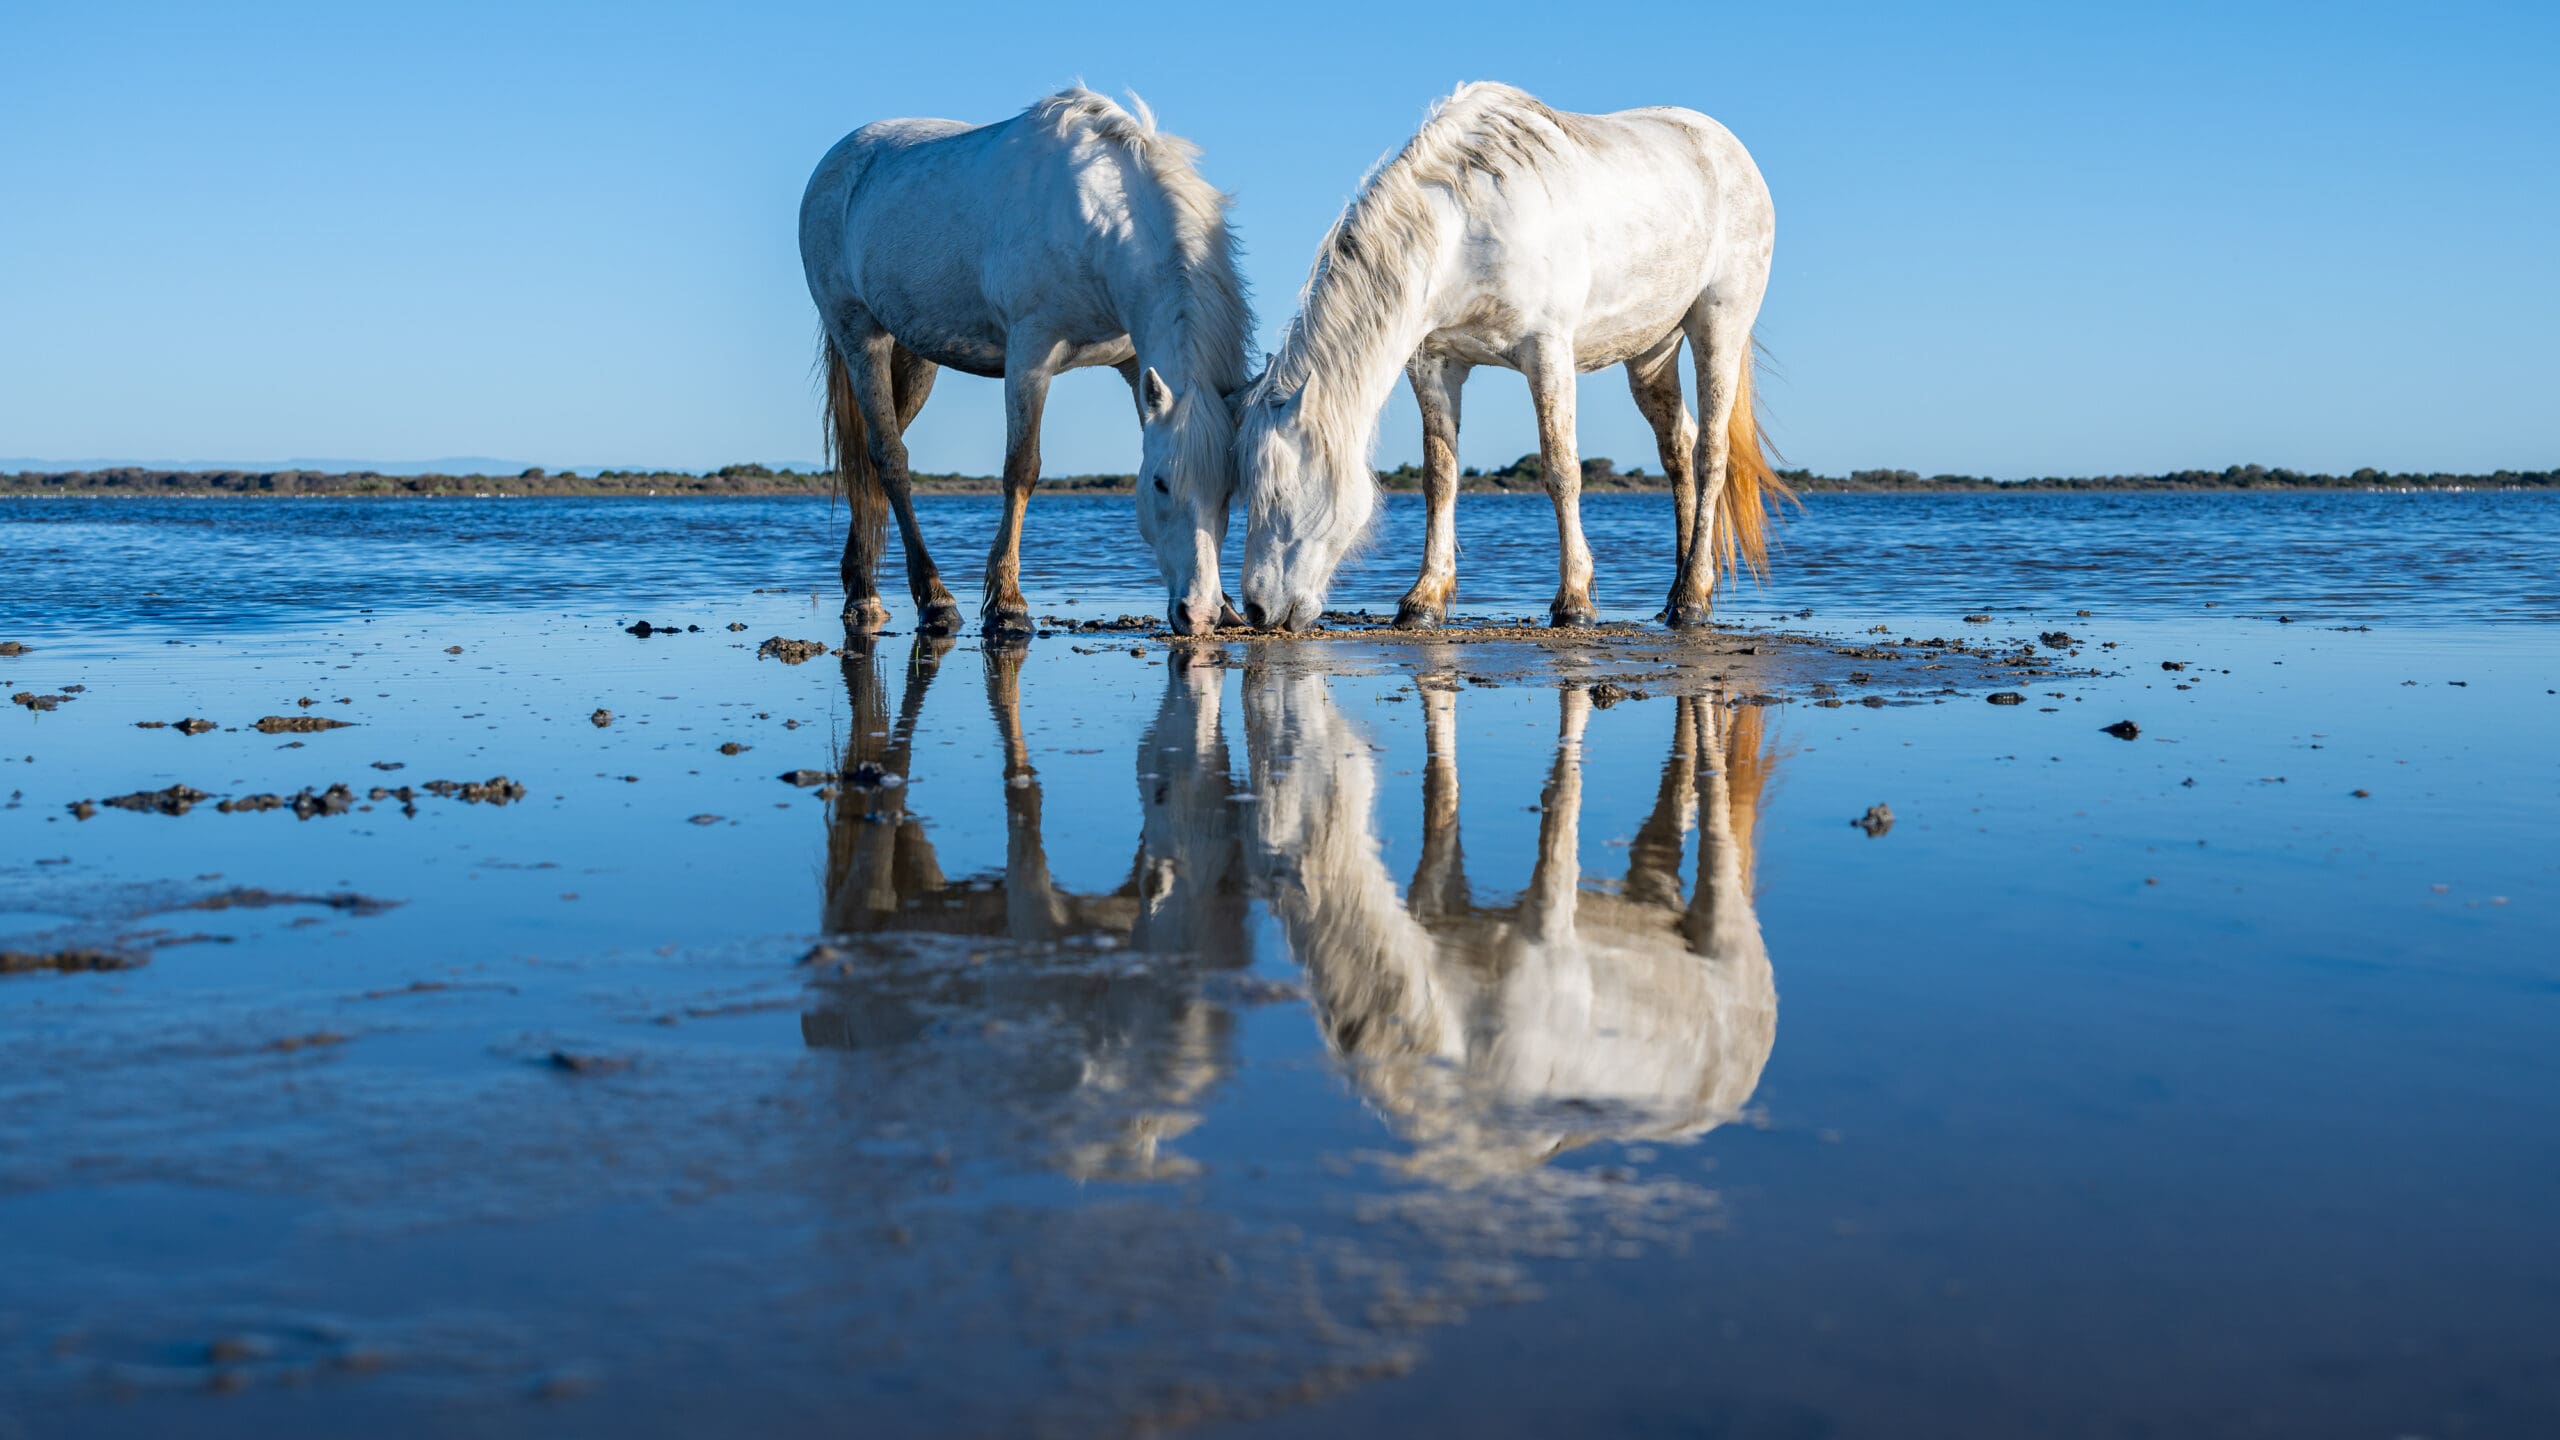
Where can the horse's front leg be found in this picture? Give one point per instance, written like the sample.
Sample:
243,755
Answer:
1436,382
1002,612
1548,364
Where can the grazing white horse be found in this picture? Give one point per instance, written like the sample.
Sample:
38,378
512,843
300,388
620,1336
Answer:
1073,234
1494,1036
1507,233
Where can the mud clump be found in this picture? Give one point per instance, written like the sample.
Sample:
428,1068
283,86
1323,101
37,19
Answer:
805,778
13,647
496,790
2057,639
176,800
193,726
2006,697
1977,619
1608,693
1877,820
577,1063
33,701
64,962
304,803
2173,664
251,897
601,718
2123,730
732,747
298,724
790,652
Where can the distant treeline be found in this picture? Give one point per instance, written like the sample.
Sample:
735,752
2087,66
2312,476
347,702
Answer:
1525,474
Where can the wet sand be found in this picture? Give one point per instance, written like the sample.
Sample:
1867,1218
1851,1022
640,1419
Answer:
1355,1034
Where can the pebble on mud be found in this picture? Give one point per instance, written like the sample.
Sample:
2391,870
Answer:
2173,664
453,649
1608,693
601,718
33,701
807,777
193,726
732,747
1977,619
12,647
2057,639
2006,697
791,652
706,819
1877,820
2124,730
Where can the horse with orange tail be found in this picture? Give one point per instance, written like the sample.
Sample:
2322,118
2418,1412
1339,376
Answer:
1508,233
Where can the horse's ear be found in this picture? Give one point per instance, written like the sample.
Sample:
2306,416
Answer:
1155,398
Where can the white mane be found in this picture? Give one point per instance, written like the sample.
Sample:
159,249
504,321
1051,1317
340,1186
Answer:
1362,291
1216,316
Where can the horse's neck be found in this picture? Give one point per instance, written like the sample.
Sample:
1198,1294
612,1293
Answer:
1179,298
1365,320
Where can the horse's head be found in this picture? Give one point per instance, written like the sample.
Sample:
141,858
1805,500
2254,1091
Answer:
1186,476
1309,495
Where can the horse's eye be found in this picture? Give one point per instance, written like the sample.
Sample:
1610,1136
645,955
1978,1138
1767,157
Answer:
1161,487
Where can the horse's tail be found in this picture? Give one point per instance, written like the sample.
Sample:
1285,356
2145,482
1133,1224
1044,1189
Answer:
1752,487
849,453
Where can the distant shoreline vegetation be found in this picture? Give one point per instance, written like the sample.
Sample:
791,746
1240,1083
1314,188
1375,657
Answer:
1522,476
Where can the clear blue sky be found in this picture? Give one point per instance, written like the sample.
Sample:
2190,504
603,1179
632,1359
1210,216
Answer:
2013,239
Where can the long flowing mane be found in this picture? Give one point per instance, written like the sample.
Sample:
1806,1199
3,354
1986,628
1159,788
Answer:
1363,288
1215,316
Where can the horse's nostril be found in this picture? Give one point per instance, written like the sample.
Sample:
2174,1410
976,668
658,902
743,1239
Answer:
1253,614
1182,617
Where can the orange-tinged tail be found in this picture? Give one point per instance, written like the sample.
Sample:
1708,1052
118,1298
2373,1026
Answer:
1752,490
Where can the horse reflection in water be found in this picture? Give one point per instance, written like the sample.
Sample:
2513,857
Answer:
1108,1057
1495,1037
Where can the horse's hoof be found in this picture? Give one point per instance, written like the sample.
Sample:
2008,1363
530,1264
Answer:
865,617
1414,615
1570,617
1686,615
1007,622
940,618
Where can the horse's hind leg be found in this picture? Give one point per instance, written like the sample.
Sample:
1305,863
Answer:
1720,345
1548,364
1655,379
890,390
1003,612
1436,383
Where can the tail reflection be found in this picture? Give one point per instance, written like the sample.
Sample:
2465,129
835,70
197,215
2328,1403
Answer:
1496,1036
1102,1060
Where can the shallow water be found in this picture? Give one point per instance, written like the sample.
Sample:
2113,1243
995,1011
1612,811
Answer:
1336,1036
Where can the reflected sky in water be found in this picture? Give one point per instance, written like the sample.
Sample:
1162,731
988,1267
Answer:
1333,1037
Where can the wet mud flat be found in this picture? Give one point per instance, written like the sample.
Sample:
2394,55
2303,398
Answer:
726,1024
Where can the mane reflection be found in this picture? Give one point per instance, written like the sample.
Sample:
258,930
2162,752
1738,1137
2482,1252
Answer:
1496,1036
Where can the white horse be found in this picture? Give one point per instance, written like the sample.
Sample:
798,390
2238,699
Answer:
1074,234
1507,233
1494,1037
